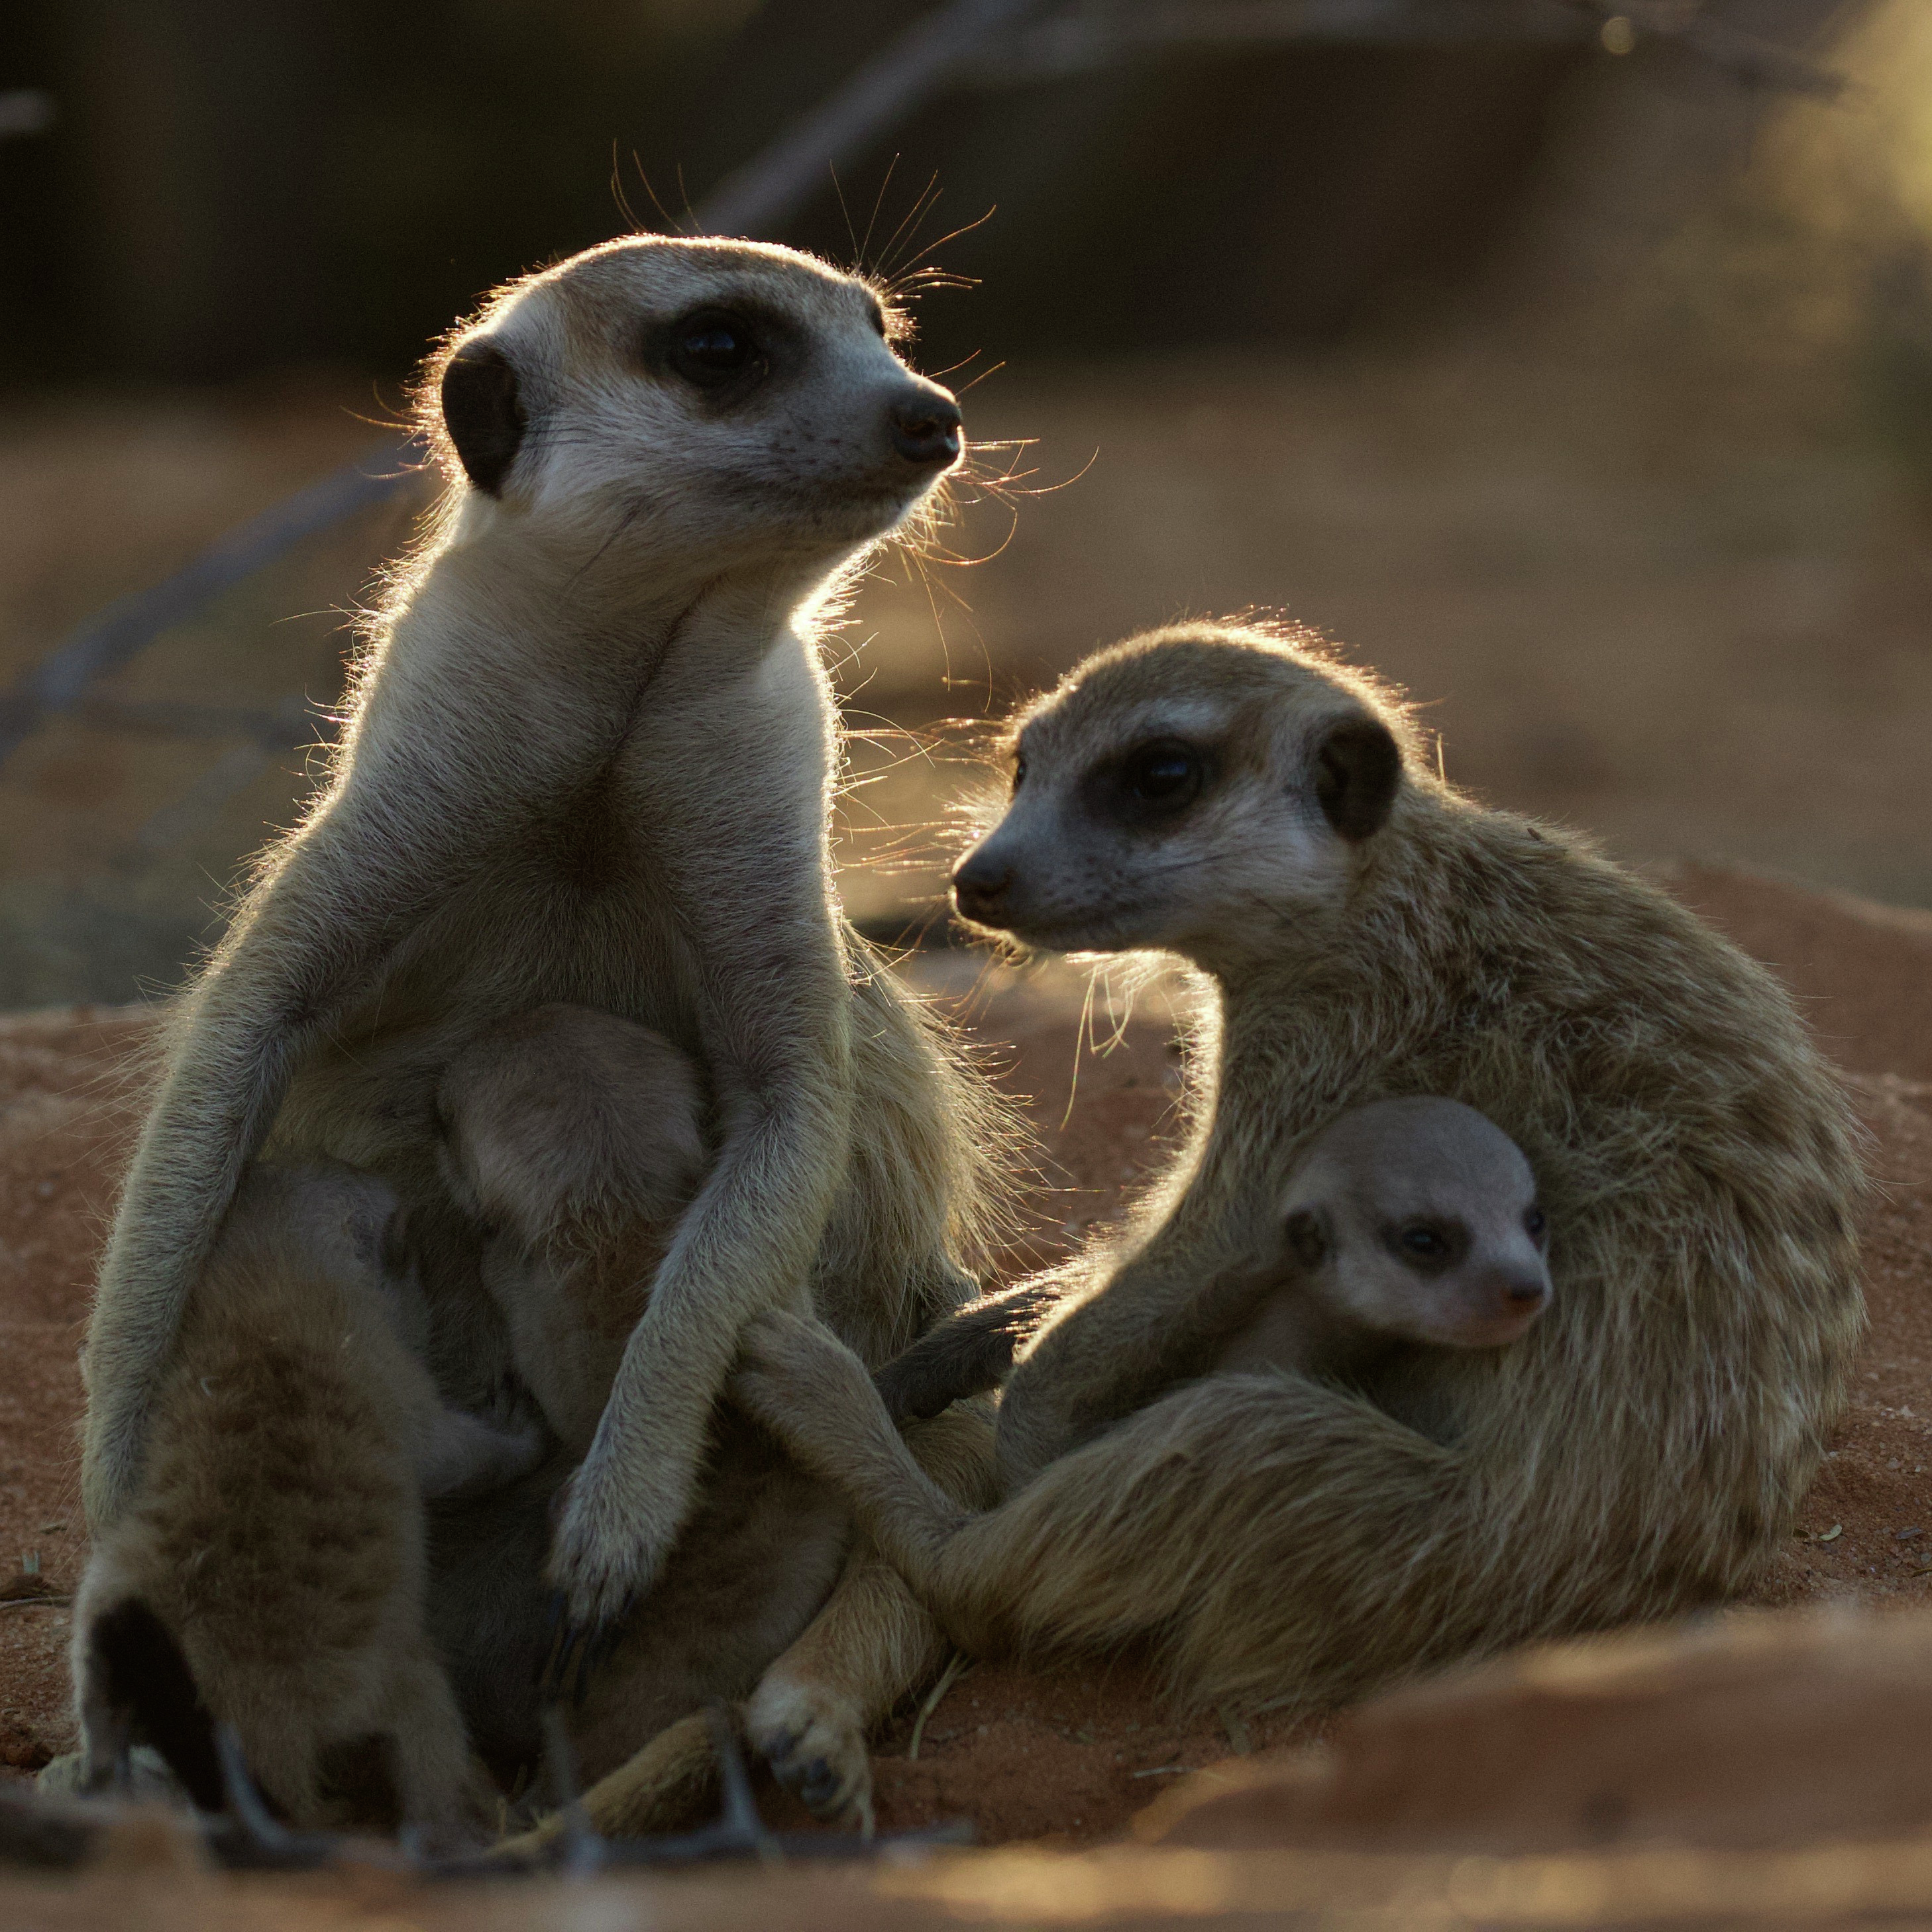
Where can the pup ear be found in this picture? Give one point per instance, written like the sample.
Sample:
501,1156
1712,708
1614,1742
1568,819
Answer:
1358,770
483,412
1307,1239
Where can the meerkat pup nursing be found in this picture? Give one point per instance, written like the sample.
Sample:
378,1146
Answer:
1410,1224
589,757
269,1571
576,1139
1364,932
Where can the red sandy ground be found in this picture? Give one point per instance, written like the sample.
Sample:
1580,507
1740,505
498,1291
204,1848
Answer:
1070,1752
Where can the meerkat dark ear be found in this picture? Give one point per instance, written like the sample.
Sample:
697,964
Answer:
1307,1239
483,413
1358,770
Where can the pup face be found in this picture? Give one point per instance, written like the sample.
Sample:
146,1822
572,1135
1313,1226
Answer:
1419,1219
322,1214
1194,790
669,393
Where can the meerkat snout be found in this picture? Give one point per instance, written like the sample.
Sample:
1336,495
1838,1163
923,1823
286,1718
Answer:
980,882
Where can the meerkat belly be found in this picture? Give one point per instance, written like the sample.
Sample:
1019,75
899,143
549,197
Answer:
522,936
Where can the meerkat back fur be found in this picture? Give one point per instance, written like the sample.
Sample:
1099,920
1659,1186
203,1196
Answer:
588,758
269,1572
1365,931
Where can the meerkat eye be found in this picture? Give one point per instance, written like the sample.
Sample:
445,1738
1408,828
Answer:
1166,772
1535,1225
1427,1245
713,348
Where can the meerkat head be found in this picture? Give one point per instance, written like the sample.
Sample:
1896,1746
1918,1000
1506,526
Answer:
720,396
323,1216
1193,790
1418,1218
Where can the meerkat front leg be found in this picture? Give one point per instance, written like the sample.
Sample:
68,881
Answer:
804,1385
747,871
969,1352
873,1644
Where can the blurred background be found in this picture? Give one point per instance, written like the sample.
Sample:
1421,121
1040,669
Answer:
1570,363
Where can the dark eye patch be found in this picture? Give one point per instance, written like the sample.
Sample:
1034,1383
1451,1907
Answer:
1426,1244
1150,784
723,350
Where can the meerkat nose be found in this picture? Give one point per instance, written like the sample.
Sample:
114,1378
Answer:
925,428
1520,1292
980,886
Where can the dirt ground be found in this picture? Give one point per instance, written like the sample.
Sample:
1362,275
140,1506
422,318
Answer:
1067,1752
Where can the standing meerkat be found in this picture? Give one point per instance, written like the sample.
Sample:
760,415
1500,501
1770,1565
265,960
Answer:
1410,1227
268,1571
1367,932
589,757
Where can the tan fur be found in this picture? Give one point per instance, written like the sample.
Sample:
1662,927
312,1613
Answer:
812,1709
576,1138
588,758
277,1531
1643,1450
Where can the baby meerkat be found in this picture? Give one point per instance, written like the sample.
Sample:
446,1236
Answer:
1409,1223
1412,1220
268,1571
1365,932
589,757
575,1139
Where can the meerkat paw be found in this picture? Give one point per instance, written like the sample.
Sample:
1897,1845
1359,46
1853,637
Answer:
605,1555
815,1741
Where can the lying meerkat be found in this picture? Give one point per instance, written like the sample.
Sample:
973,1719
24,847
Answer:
589,757
576,1139
269,1571
1365,931
1410,1224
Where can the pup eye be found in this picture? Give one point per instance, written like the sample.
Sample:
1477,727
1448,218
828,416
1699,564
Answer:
711,349
1534,1224
1423,1241
1165,773
1019,773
